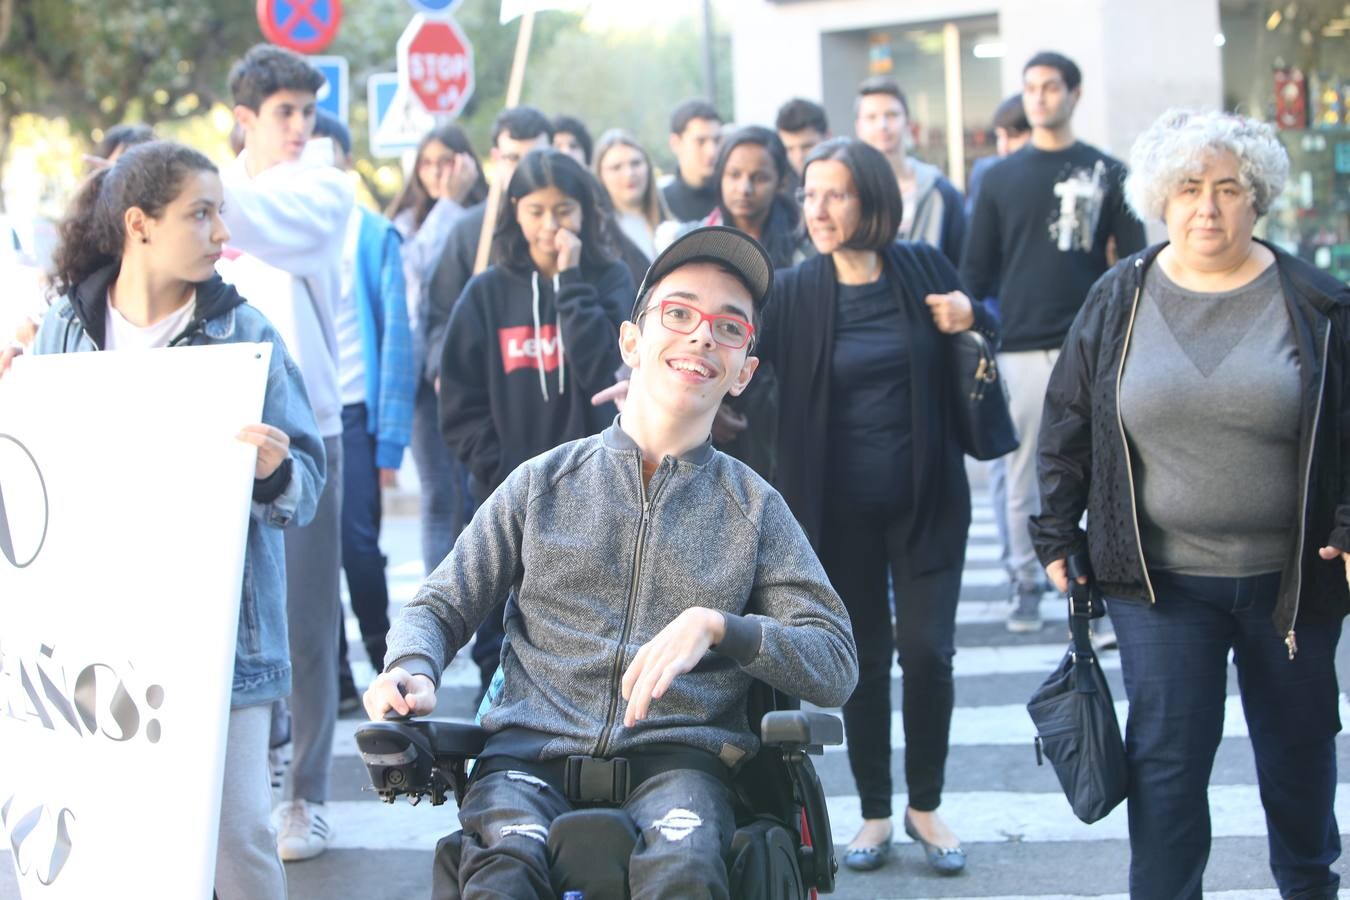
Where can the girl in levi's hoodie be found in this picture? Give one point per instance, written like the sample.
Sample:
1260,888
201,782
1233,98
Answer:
534,335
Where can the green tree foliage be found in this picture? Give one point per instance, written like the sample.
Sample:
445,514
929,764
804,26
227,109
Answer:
627,80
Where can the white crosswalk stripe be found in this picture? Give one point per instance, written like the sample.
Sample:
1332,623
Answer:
998,801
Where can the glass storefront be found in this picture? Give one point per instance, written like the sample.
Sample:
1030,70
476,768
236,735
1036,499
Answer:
1288,62
927,60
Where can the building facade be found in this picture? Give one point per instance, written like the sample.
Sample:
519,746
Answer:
1281,61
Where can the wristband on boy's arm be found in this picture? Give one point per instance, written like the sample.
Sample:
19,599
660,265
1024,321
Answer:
265,490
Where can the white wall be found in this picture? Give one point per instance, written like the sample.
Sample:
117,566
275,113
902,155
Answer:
775,48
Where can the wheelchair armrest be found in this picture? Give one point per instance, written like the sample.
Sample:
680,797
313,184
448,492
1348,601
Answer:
794,729
418,757
454,739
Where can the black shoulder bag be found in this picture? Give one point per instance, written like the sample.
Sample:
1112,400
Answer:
1076,727
983,424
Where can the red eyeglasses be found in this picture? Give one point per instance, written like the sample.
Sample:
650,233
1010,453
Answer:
730,331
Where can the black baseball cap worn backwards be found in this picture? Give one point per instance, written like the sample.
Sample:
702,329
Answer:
718,244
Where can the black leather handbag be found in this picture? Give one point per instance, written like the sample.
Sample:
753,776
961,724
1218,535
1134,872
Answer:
983,424
1076,727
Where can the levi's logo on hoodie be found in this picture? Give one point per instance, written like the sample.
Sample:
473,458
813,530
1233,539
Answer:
522,350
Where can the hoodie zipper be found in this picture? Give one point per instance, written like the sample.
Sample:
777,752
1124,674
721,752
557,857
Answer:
616,671
1125,444
1289,640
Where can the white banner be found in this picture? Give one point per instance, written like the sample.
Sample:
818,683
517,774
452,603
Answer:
124,504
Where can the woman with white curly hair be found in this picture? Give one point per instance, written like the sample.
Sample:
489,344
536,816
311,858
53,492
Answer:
1200,414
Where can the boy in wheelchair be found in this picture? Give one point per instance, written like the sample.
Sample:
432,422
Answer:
654,579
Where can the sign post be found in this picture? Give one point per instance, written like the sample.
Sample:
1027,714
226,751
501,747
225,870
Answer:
332,97
397,119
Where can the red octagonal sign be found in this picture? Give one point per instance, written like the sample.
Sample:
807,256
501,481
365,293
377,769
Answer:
435,60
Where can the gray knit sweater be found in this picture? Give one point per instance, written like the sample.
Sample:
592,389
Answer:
1210,402
597,567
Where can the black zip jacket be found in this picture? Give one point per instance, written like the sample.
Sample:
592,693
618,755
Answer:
797,329
1084,461
509,389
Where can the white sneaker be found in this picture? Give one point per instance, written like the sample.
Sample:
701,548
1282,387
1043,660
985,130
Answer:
303,831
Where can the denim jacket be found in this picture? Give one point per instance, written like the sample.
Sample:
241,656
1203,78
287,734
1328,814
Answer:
262,668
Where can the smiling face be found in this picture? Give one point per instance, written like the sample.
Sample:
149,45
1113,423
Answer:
830,207
624,173
1210,217
540,214
749,181
882,122
687,375
184,243
278,131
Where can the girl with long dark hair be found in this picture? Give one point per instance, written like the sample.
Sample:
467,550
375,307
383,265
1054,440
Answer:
533,336
445,181
754,184
135,268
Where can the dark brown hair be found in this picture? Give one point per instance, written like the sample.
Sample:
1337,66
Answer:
874,182
92,234
414,194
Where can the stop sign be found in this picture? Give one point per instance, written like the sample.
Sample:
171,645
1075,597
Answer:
435,60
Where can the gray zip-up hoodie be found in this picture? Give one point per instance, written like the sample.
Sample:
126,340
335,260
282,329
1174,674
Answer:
597,567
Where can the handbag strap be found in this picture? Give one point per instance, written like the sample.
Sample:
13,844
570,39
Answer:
1084,606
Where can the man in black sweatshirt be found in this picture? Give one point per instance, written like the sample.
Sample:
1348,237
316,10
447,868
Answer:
1043,225
695,135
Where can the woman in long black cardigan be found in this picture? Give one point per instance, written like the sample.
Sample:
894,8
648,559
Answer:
869,462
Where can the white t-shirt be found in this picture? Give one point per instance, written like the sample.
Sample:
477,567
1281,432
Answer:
351,364
121,334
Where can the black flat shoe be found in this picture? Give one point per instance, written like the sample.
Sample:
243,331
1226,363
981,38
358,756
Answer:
943,860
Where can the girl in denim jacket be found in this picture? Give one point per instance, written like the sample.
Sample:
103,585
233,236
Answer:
136,269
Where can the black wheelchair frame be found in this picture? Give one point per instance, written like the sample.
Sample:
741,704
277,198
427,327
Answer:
428,759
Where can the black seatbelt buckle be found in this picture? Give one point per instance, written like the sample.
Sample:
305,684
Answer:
589,779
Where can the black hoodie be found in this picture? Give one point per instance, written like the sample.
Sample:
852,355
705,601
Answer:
90,301
521,361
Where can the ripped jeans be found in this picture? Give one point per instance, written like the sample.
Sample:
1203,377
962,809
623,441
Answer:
685,818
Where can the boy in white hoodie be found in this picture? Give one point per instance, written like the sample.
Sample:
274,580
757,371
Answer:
287,217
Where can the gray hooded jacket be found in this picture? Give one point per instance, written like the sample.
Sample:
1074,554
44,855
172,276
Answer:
597,567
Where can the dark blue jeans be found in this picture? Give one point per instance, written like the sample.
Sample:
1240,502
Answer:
447,505
685,818
362,561
1174,658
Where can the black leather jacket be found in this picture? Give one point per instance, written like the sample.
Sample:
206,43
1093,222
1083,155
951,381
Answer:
1084,460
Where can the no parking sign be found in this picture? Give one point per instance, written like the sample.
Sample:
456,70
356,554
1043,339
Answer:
305,26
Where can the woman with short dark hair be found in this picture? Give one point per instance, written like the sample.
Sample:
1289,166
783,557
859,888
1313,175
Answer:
1199,414
869,462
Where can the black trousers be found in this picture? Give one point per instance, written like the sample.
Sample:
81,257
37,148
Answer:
859,543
